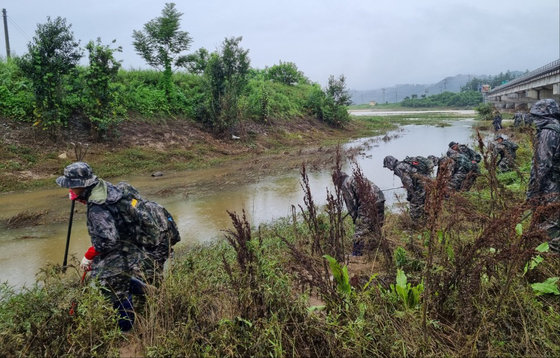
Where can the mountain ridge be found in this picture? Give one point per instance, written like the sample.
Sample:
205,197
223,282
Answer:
397,93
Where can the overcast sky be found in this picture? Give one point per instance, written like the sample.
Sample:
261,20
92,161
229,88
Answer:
374,43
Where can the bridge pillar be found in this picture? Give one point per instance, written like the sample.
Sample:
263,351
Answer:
545,93
556,89
533,94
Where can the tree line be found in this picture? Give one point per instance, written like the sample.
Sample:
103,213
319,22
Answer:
469,96
48,87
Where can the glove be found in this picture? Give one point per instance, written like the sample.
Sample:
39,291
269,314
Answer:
86,264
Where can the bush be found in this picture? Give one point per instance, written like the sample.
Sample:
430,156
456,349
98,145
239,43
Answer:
16,94
36,322
485,111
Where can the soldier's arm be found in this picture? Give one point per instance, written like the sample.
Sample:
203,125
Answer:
405,176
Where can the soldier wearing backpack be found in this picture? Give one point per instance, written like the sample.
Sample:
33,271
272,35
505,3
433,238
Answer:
413,180
465,168
544,182
114,258
505,152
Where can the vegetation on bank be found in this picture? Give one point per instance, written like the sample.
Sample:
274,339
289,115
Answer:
474,279
218,89
446,99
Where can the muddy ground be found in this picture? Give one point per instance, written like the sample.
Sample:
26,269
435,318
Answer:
261,150
251,142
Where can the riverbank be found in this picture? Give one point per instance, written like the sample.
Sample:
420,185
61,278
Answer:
31,159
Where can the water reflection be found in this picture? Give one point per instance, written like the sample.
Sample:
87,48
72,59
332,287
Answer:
202,215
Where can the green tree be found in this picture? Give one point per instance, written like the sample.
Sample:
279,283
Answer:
52,54
226,78
286,73
196,62
336,102
161,44
101,100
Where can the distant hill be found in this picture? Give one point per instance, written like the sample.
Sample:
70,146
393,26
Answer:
398,92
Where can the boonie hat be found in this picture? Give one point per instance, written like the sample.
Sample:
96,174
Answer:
77,175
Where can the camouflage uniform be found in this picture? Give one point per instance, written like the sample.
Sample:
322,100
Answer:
528,119
364,225
117,258
465,168
505,150
497,122
517,119
413,182
110,235
544,182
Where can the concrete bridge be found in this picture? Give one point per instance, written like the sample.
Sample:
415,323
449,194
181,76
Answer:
522,92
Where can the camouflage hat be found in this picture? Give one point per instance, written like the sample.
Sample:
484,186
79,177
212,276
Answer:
77,175
390,162
451,144
545,107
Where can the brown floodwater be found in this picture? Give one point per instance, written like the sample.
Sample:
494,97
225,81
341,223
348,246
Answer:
265,187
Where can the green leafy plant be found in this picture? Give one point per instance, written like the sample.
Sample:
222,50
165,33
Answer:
340,275
535,261
548,286
404,292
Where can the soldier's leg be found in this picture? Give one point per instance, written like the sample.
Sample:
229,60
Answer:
360,231
417,209
117,289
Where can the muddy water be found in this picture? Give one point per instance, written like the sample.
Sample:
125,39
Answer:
199,199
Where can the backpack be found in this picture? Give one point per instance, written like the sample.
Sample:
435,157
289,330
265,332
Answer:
422,164
152,225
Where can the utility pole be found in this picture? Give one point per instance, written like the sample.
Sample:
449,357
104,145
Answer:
6,33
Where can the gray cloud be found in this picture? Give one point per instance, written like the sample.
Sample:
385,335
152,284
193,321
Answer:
374,43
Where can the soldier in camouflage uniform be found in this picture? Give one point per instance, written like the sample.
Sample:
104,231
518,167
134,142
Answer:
544,182
413,182
517,119
504,150
465,169
367,223
497,121
113,258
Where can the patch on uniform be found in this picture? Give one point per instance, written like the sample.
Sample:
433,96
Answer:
133,202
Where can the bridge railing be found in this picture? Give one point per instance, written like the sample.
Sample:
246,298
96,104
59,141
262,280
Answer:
555,65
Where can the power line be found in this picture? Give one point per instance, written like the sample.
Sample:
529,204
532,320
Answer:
19,28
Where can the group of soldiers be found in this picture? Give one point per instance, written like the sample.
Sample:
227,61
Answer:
460,166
